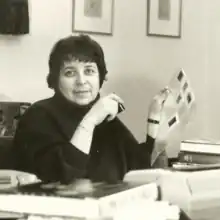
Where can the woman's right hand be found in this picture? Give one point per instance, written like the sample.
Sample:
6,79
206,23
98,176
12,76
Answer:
105,108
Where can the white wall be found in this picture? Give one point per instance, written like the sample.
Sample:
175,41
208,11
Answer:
212,100
138,65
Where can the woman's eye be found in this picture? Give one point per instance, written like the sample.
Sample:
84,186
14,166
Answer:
89,71
70,73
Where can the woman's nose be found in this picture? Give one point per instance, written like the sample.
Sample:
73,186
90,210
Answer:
81,78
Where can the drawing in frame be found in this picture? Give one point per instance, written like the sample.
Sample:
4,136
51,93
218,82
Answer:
164,18
93,16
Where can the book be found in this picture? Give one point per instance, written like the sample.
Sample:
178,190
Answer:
198,158
95,201
181,166
200,146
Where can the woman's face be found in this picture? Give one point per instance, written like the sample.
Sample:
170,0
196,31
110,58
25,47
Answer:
79,81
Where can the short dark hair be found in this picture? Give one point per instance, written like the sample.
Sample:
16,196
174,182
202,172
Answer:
80,47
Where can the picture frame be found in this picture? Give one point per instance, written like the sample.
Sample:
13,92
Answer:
93,16
164,18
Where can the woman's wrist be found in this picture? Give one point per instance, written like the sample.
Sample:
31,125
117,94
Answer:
87,124
82,137
153,124
152,131
153,121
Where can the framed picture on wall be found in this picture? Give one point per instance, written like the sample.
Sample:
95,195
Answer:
164,18
93,16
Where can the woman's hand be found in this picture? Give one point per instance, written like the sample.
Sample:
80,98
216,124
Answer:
105,108
155,118
156,112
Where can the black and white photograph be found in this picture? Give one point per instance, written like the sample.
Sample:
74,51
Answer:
109,110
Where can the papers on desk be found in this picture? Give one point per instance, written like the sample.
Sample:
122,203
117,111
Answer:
151,210
141,210
101,201
197,193
12,178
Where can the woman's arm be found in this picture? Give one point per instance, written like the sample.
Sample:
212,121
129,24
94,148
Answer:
106,108
82,137
50,154
136,155
149,153
155,117
45,151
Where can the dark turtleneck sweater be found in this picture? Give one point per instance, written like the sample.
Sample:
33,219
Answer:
42,145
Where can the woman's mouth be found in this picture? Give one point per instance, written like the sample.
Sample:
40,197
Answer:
81,91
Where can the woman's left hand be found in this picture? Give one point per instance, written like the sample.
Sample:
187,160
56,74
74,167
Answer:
156,112
155,118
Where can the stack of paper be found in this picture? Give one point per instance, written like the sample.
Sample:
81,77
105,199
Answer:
100,201
195,191
142,210
148,210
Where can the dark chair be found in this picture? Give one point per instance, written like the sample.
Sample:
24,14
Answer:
6,159
10,115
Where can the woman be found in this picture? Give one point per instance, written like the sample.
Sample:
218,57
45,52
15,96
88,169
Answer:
76,133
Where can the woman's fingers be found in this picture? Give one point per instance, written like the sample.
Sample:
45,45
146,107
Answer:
162,96
116,98
117,106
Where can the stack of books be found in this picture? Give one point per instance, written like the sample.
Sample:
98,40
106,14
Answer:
199,152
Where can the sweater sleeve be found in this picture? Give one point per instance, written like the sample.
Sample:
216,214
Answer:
44,151
138,155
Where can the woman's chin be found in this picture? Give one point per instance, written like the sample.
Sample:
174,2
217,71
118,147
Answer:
82,102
